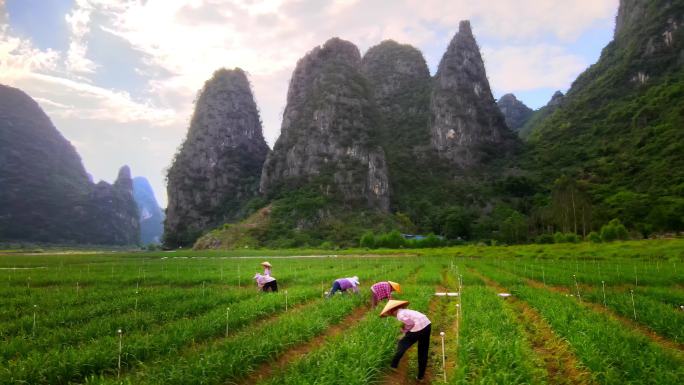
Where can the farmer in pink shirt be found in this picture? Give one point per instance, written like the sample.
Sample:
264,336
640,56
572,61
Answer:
266,282
344,284
383,290
416,328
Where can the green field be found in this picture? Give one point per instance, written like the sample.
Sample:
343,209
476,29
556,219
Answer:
579,314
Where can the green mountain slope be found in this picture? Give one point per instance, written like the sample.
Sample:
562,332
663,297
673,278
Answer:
620,129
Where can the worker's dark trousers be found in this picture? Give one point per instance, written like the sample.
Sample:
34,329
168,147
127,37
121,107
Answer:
410,338
270,286
335,288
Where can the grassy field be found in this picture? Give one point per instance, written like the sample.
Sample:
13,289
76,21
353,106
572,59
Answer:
579,314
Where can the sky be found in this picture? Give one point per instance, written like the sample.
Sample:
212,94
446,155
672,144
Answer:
119,78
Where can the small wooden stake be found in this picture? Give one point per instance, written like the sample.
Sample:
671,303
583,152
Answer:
227,315
118,371
631,292
603,284
34,320
577,287
441,334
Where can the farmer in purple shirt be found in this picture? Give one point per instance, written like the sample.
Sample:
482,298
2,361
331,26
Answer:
344,284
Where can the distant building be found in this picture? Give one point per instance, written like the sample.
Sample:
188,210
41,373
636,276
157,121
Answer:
419,237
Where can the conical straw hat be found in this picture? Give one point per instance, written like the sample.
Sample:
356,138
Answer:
392,304
395,286
265,264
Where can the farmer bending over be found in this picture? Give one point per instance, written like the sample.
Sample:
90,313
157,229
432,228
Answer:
266,282
344,284
416,329
383,290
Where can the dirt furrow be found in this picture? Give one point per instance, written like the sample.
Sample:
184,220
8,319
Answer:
675,347
267,369
561,364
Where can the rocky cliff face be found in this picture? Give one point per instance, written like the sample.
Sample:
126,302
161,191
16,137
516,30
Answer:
151,215
327,138
515,112
398,76
466,125
45,193
218,166
114,213
629,14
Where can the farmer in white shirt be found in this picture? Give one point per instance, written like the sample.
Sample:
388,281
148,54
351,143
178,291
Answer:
416,328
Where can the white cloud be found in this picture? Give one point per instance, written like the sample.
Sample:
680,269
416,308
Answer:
524,68
78,21
78,100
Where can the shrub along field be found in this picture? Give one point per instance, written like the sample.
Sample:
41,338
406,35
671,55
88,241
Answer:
578,314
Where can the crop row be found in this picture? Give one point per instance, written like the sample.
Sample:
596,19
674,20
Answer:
493,349
651,309
72,363
231,358
360,356
593,272
49,334
615,354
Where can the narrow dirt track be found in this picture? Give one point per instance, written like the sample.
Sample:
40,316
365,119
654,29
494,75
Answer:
267,369
560,363
675,347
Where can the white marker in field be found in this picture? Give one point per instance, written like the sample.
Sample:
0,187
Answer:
227,316
118,371
441,334
34,320
603,285
577,287
631,292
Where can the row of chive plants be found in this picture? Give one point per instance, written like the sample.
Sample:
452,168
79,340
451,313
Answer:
359,356
493,349
154,308
73,361
230,359
654,307
595,271
614,354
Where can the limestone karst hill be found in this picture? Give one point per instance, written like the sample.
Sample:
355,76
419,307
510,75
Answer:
217,169
45,192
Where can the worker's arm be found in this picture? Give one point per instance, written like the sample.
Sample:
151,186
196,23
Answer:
408,324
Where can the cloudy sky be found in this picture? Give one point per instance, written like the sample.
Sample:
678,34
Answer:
118,78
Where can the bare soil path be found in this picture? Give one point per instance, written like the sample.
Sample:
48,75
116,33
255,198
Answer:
669,345
267,369
562,366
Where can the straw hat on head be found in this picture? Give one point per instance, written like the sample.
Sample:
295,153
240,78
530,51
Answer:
265,264
393,304
355,279
395,286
